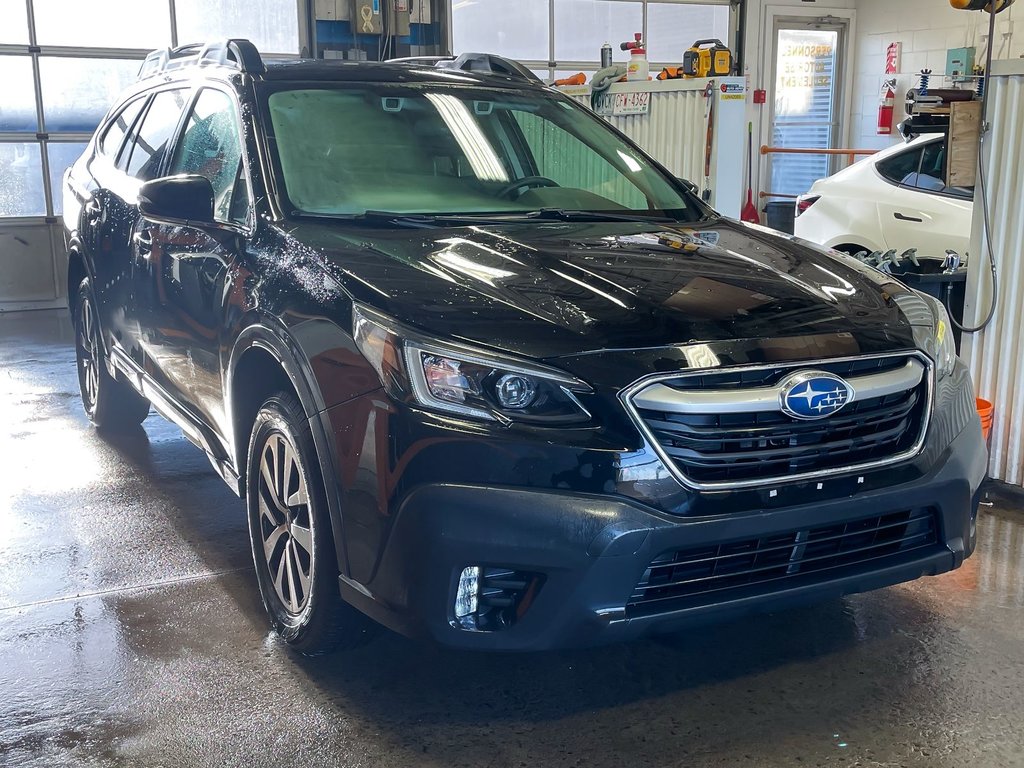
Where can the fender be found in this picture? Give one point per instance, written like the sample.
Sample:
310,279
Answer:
293,348
75,248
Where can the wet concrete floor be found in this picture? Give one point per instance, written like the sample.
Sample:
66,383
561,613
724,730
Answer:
131,634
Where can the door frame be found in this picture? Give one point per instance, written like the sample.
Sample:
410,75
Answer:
770,16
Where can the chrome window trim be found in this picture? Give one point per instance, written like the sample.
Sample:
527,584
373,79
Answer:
627,395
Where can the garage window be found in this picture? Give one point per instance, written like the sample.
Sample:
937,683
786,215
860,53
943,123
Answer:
558,37
63,68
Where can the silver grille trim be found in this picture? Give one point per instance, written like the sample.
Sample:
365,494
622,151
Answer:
660,397
628,398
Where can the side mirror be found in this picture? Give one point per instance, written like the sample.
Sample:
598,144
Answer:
185,199
690,186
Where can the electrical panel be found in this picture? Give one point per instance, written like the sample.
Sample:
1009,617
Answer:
959,64
365,16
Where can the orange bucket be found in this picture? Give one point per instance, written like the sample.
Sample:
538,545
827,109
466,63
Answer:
985,412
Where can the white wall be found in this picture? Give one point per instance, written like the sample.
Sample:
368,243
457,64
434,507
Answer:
926,28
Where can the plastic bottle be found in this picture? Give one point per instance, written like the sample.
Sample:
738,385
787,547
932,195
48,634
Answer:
638,67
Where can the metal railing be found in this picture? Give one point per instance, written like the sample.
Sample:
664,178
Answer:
851,154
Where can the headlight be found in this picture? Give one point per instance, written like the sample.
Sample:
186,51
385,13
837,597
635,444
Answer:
470,382
940,344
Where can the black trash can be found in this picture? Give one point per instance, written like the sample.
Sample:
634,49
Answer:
781,214
937,285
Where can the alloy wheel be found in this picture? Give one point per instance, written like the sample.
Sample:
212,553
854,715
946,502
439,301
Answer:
88,357
286,525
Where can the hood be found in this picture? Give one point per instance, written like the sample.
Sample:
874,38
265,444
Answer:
553,289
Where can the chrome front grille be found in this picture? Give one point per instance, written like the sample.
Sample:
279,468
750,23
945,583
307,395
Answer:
726,428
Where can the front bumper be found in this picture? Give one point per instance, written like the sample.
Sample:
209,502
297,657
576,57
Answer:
593,550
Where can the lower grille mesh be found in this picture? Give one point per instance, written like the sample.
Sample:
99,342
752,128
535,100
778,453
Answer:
685,577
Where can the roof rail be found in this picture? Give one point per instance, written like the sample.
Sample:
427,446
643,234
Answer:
476,62
425,60
236,52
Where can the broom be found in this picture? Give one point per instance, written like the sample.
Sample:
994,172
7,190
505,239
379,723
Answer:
749,213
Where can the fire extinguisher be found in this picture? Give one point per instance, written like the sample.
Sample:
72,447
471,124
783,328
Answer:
886,101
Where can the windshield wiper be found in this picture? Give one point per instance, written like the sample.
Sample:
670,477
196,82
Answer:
369,217
414,220
562,214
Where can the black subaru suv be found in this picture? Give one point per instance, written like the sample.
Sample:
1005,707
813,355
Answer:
485,371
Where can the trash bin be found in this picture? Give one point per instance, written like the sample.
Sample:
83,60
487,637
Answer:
781,214
935,284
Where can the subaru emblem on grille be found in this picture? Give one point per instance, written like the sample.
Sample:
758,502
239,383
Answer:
813,394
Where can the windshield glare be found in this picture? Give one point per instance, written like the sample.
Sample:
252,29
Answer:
448,150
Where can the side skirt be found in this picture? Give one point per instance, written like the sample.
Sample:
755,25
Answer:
194,430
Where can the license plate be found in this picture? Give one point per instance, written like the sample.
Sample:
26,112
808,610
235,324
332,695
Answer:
624,104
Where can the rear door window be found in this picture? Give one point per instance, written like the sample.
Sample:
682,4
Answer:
153,134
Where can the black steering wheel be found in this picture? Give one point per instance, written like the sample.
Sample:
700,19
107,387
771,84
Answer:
524,184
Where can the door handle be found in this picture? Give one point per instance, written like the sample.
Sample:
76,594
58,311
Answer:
144,242
901,217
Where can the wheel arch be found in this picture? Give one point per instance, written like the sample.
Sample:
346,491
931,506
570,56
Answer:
269,357
78,270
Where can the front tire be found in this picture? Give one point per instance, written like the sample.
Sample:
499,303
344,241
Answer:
291,536
109,403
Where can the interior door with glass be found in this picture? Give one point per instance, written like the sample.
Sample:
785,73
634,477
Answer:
807,100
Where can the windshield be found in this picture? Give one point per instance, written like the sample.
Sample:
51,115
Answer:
439,149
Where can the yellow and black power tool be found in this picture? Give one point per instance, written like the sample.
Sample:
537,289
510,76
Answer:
707,58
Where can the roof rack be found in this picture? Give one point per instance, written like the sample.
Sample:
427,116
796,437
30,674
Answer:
236,52
476,62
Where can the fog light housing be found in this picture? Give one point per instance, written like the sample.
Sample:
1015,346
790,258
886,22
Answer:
491,599
467,598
